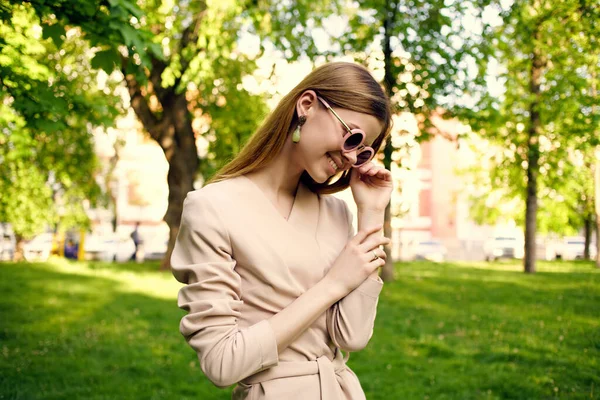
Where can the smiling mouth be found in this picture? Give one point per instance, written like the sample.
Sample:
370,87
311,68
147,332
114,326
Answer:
332,163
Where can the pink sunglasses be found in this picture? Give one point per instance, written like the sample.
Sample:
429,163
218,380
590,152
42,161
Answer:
353,140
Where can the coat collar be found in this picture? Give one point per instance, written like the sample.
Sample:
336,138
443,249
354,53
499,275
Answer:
304,215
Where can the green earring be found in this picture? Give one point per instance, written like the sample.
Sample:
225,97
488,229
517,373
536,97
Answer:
296,135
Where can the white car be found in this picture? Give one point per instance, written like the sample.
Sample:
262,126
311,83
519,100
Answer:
503,247
431,250
155,248
8,242
38,248
572,248
108,247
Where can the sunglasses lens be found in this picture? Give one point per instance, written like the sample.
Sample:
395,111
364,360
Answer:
353,141
363,157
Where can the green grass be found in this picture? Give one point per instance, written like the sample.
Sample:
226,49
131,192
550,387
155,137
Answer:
452,331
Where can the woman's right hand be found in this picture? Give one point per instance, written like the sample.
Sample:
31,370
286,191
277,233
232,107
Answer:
355,263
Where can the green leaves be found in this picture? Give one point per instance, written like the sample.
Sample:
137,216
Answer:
55,31
50,103
106,60
130,6
26,201
561,37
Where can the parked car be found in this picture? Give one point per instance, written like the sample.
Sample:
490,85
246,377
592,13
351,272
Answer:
8,242
155,247
498,247
108,247
573,247
39,248
431,250
545,248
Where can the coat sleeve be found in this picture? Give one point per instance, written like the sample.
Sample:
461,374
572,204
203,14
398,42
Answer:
202,260
350,321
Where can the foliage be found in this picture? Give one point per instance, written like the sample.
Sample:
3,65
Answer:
564,35
424,51
562,209
231,125
26,201
182,65
51,102
291,30
202,55
430,48
452,331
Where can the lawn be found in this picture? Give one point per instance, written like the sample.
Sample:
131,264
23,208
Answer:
73,330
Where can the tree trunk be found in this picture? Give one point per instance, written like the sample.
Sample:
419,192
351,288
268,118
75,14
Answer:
18,255
170,126
531,210
597,240
112,197
533,155
182,155
587,226
181,181
387,273
596,178
173,132
597,200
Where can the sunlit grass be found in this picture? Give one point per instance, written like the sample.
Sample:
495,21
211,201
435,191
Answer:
74,330
486,330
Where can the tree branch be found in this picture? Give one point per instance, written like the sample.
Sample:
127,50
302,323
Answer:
158,67
190,35
140,104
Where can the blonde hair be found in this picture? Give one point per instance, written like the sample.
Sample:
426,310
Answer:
342,84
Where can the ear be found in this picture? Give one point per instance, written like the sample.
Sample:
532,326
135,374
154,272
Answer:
307,101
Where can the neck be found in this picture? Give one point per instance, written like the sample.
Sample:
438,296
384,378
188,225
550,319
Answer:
282,175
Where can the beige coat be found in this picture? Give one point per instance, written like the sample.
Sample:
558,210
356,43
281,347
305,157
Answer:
242,262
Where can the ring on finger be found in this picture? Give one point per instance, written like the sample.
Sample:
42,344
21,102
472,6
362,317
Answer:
375,256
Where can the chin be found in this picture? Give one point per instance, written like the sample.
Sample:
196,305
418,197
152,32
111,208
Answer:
319,177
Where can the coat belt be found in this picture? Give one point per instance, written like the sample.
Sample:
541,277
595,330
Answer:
323,366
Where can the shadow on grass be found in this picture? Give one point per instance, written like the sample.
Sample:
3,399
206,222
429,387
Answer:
442,332
80,337
454,332
130,266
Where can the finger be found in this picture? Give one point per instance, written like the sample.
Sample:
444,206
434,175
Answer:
374,243
376,236
378,171
367,170
377,263
365,167
384,174
375,170
364,233
363,172
379,252
354,176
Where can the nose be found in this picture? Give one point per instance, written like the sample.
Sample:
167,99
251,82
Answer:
350,157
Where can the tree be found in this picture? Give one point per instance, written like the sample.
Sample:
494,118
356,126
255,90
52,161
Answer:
182,64
597,204
595,128
579,194
49,106
200,73
566,195
545,111
424,51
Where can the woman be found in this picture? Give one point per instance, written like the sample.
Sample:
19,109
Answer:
277,284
